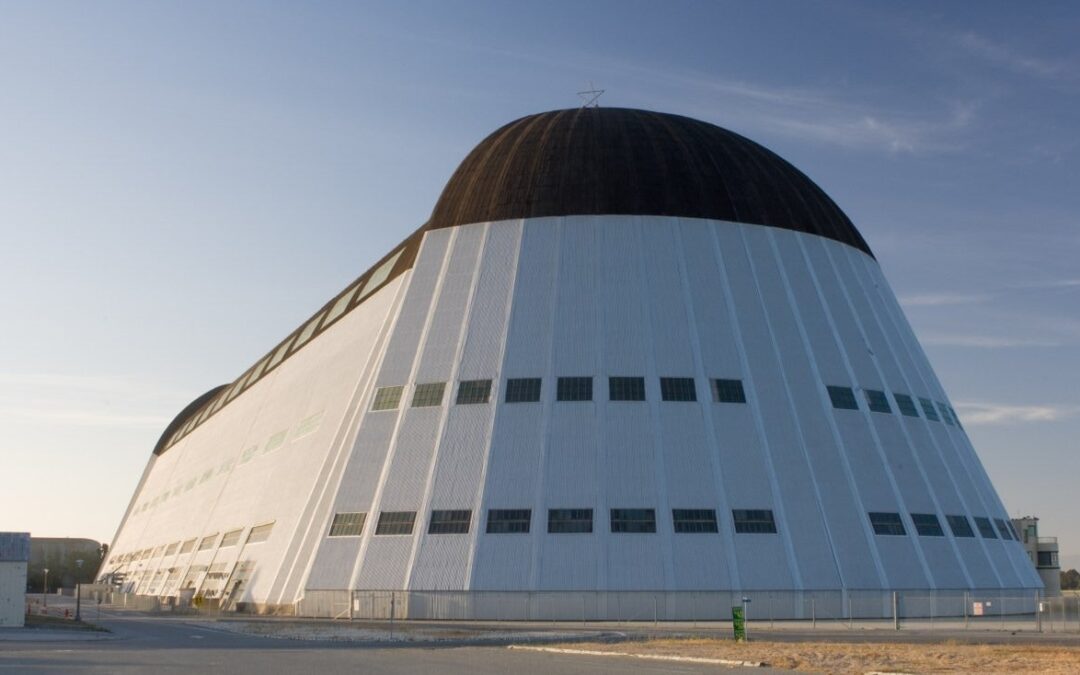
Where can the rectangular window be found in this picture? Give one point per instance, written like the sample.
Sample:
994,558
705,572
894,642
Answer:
877,401
574,389
339,307
308,425
952,411
279,354
569,521
1047,559
633,520
230,538
171,549
986,529
1003,529
427,395
754,521
1012,528
260,533
887,523
678,389
842,398
276,441
960,526
380,275
395,522
626,389
473,391
308,331
906,405
523,390
348,524
928,409
927,525
728,391
188,546
694,521
450,522
387,398
508,521
208,542
945,413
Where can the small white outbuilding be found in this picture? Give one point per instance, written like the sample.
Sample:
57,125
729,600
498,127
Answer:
14,555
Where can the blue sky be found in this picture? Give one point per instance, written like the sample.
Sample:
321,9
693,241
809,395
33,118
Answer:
182,183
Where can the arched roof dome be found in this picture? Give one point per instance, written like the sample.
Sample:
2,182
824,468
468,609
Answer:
592,161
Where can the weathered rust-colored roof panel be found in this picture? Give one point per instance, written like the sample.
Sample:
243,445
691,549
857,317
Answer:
617,161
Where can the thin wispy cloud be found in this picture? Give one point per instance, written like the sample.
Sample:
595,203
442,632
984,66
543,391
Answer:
59,400
100,383
1011,59
822,115
1048,285
941,299
980,341
974,413
82,418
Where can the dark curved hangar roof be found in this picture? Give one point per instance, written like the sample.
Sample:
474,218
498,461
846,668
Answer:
590,161
585,161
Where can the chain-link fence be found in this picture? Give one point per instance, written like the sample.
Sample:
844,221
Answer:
937,611
1004,610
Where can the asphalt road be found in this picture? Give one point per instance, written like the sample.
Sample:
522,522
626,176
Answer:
146,644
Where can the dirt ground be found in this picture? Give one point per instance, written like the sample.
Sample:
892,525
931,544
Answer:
843,657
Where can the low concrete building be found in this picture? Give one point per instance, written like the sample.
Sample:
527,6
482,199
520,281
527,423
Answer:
1043,552
14,554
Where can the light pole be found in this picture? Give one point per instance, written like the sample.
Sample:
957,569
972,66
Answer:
745,606
45,589
78,591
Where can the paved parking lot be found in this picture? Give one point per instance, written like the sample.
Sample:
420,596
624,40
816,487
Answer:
140,643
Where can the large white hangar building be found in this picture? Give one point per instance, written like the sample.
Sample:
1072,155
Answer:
633,360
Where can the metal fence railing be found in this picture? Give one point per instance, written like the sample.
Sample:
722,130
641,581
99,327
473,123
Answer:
863,609
1013,610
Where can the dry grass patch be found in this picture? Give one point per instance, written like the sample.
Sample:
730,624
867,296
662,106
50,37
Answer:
846,657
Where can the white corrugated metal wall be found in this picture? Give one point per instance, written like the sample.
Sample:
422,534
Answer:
645,296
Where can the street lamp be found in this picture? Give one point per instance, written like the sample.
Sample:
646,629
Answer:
45,589
78,591
745,606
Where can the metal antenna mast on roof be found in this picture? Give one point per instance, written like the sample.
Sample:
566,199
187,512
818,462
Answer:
590,98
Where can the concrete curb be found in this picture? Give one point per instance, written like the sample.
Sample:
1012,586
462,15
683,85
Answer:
46,635
650,657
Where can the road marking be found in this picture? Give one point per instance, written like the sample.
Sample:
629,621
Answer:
650,657
196,637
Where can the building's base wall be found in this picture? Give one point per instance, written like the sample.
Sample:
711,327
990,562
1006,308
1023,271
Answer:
1051,578
661,605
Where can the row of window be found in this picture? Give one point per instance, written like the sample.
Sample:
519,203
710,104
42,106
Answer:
560,521
256,535
331,312
928,525
527,390
303,428
632,388
877,401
